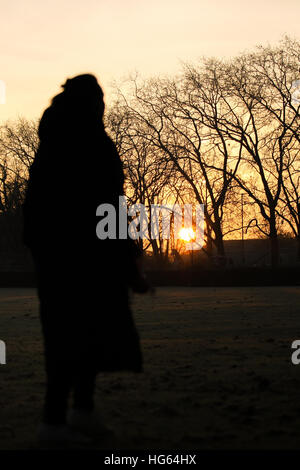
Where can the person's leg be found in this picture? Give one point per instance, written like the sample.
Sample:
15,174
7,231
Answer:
58,372
57,392
59,364
84,385
54,426
56,399
83,417
53,322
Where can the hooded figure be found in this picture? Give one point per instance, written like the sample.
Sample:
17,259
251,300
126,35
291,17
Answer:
83,287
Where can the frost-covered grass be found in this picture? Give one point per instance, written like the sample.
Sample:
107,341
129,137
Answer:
218,373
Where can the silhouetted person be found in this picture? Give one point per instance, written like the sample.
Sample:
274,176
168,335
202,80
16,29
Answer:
82,286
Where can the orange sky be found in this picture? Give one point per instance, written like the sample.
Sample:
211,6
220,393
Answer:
45,41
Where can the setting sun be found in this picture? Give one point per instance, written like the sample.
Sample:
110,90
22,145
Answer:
187,234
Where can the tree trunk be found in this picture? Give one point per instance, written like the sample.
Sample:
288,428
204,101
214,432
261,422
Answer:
209,241
219,242
274,243
298,247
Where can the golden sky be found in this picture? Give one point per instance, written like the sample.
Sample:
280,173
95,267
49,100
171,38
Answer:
45,41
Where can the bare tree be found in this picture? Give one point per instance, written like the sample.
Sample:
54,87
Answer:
18,144
168,116
148,179
289,204
259,142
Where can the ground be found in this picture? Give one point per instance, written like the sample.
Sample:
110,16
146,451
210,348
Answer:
218,371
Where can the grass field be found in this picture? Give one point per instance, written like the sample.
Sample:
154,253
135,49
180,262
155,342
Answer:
218,371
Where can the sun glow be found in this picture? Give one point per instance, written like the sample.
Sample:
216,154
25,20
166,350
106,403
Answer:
187,234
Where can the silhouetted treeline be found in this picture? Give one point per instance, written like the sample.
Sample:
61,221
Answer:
221,133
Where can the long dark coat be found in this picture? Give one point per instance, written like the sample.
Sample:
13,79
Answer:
83,286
